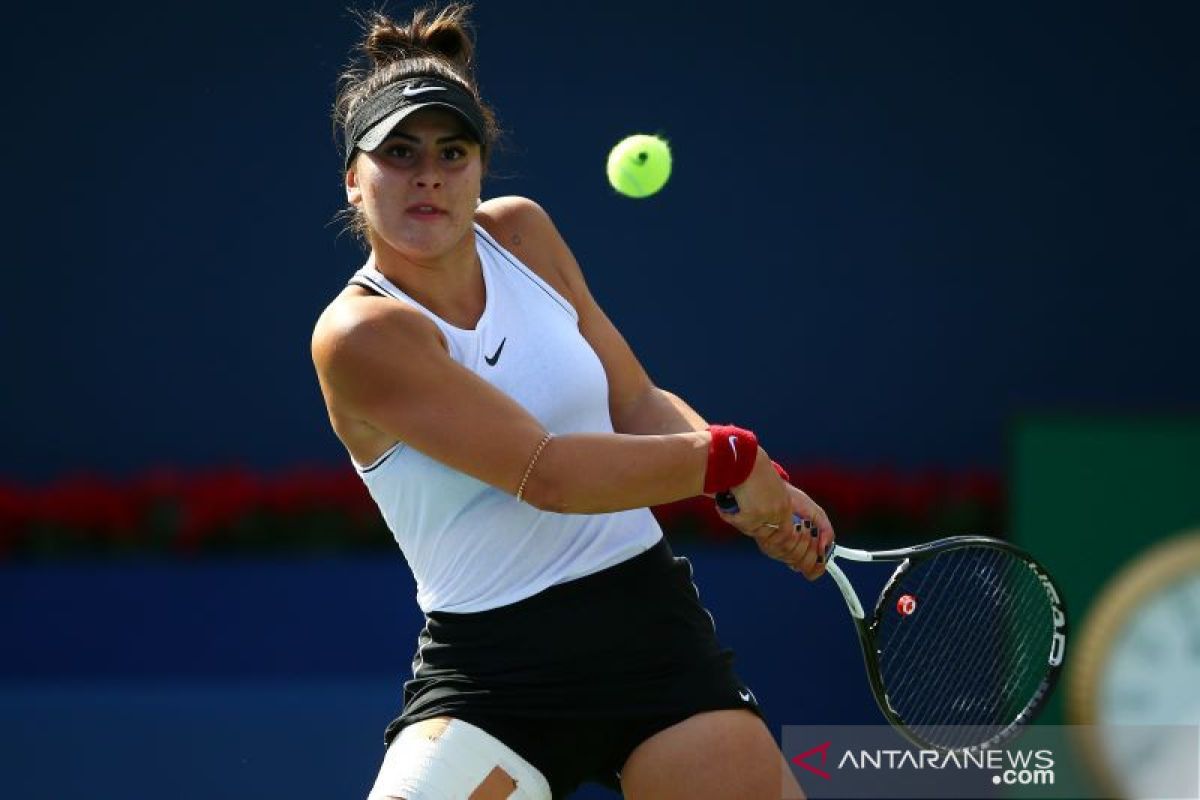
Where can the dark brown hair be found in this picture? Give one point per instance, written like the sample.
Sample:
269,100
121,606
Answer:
436,41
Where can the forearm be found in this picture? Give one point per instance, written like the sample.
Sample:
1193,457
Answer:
658,411
587,473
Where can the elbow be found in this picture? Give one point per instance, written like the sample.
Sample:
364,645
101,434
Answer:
547,492
555,487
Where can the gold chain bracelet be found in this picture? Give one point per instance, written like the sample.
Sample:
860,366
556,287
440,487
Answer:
529,469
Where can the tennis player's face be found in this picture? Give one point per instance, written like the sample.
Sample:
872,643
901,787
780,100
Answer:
420,187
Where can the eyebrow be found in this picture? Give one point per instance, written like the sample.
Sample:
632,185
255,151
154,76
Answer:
417,140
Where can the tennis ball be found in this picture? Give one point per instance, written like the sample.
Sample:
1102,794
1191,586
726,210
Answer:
639,165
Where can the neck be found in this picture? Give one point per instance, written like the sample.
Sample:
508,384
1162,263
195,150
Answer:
450,285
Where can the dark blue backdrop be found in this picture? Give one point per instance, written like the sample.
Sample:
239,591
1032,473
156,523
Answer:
943,214
223,679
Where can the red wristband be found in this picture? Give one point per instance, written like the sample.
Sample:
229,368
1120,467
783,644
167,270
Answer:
731,455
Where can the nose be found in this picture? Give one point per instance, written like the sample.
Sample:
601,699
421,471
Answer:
427,176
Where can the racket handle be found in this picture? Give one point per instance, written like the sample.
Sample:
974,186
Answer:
727,503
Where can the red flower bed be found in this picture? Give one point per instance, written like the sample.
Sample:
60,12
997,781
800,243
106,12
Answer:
878,504
230,510
329,510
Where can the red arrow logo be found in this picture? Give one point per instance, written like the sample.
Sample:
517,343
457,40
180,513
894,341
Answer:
823,749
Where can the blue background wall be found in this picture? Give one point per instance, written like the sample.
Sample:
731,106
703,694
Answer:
200,680
942,214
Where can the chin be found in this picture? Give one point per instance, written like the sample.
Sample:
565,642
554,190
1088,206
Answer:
427,240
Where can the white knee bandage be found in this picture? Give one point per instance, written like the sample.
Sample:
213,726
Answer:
451,765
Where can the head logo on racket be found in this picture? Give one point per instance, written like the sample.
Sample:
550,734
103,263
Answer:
998,614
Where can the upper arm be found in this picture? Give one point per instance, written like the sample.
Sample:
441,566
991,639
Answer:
385,364
525,228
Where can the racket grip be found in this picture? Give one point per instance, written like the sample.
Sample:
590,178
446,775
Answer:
727,503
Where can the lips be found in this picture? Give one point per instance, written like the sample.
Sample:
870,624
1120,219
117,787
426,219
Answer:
424,210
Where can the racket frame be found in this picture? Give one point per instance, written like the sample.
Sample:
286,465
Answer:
866,628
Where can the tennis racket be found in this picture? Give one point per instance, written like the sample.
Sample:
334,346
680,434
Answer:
965,642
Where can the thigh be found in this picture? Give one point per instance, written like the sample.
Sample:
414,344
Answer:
726,754
451,758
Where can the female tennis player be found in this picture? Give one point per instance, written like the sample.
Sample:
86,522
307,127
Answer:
513,443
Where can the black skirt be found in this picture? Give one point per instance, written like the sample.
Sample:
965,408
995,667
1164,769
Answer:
609,658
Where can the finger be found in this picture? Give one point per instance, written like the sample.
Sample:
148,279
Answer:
821,520
780,516
803,543
824,544
801,503
818,525
779,544
771,540
753,514
799,547
817,568
806,528
821,542
778,521
743,523
807,563
785,545
783,530
805,507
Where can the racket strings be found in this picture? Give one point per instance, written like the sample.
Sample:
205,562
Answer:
985,713
974,706
973,654
1023,654
952,682
951,618
976,702
932,583
967,688
920,588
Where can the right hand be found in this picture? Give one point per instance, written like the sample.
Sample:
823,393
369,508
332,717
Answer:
765,508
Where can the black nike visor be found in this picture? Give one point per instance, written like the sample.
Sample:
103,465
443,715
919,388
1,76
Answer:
375,118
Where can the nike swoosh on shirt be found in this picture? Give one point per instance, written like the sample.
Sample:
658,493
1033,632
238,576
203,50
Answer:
494,357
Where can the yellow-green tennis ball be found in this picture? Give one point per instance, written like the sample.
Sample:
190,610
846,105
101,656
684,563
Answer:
639,165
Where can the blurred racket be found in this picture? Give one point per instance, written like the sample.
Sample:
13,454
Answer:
965,642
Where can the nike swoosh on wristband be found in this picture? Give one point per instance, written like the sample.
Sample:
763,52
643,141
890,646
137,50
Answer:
733,446
410,91
492,359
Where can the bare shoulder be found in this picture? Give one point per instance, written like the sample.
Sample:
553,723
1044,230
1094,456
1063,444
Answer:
524,228
512,218
363,348
358,325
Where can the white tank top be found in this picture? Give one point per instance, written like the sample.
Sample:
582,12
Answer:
471,546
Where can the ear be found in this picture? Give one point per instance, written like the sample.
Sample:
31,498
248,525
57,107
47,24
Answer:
353,190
